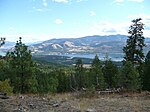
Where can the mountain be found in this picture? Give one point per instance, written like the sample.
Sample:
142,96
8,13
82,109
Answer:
88,44
111,44
84,46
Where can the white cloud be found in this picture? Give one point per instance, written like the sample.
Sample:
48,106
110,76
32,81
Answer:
136,1
61,1
45,9
39,10
81,0
108,28
45,4
58,21
92,13
118,2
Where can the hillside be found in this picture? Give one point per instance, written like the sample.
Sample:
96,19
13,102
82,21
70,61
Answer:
88,44
85,47
111,44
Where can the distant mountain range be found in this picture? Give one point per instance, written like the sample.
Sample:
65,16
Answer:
111,44
88,44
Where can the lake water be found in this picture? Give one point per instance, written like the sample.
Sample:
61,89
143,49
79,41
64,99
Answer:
113,56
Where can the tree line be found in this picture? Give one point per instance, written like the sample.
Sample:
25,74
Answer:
20,74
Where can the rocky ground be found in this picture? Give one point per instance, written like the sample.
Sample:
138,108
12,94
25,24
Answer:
71,103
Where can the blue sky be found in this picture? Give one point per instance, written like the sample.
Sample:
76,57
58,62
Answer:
39,20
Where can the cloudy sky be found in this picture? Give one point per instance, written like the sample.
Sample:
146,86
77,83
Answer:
39,20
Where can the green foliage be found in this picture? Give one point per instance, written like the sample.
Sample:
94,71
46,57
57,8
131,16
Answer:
110,72
135,43
21,68
130,77
96,75
26,76
43,82
63,77
32,84
47,81
53,84
79,74
4,68
146,75
5,87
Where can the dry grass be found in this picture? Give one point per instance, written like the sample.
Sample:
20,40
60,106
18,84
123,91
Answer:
127,102
135,102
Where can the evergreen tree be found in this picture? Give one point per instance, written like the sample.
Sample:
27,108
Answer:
53,82
96,75
63,81
135,43
130,77
146,75
21,66
4,68
79,74
110,72
47,81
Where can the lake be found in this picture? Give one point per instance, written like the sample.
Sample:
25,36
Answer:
113,56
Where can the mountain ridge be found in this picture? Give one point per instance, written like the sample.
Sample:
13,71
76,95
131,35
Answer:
79,45
96,44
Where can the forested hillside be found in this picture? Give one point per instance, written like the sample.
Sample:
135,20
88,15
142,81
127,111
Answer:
22,73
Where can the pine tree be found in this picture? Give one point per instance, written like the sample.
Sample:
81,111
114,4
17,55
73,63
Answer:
79,74
130,77
63,80
96,75
110,72
135,43
22,68
4,68
146,74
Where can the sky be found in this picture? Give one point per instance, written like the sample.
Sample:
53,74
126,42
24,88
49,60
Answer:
39,20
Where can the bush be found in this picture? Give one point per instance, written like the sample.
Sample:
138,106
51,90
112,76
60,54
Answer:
5,87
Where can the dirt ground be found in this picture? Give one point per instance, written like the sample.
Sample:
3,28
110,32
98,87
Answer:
70,103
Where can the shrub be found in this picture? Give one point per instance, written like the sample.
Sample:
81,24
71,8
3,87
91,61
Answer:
5,87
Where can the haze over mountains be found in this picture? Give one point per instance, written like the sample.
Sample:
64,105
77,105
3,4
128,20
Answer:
111,44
